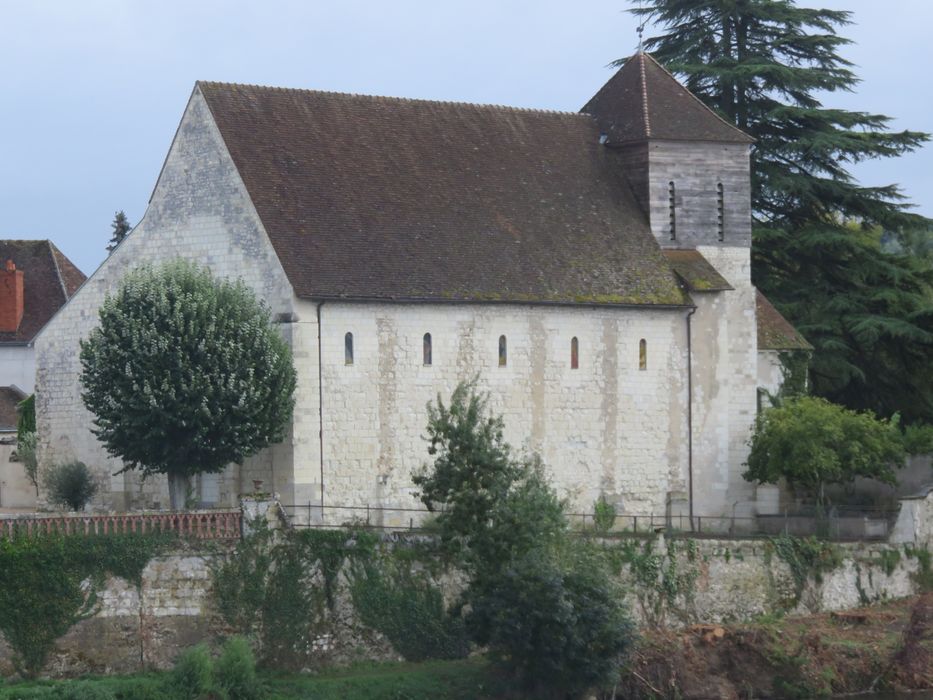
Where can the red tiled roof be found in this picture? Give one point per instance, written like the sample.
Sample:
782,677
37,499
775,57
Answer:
384,198
644,101
49,280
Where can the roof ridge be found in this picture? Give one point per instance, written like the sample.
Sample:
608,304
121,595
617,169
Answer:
644,94
690,92
391,98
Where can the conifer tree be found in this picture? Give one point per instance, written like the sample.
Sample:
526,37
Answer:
818,252
121,226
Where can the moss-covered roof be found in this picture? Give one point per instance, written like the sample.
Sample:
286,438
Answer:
774,331
384,198
695,271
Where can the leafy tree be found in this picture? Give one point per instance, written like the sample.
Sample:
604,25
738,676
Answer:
70,484
764,65
811,442
545,607
26,416
185,374
121,226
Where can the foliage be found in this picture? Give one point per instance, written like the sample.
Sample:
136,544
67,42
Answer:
663,586
192,678
918,439
280,590
26,452
41,591
808,558
491,505
604,515
26,416
70,484
811,442
120,226
561,630
765,66
408,609
547,613
235,671
185,373
466,679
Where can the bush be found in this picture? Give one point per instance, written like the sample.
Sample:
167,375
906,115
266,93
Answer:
83,691
235,671
26,453
192,677
70,484
409,610
561,631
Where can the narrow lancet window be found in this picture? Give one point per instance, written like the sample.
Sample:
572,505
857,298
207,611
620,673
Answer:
503,352
671,197
348,349
574,353
426,350
720,212
642,354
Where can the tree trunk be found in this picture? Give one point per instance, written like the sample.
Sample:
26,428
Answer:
178,485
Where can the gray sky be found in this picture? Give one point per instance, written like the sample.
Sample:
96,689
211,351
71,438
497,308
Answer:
92,90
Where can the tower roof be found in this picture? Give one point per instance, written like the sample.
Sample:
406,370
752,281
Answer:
644,101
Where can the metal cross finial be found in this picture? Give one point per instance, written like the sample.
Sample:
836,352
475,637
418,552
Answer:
641,31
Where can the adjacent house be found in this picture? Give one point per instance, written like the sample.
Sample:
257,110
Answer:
36,279
591,268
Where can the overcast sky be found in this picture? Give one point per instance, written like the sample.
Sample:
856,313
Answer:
91,91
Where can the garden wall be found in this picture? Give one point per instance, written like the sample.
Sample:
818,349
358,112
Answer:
677,582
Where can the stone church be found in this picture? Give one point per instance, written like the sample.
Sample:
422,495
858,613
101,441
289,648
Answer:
591,268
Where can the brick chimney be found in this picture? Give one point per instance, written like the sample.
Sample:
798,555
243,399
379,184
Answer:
11,298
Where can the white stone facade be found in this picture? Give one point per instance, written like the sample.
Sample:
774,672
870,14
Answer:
18,367
607,428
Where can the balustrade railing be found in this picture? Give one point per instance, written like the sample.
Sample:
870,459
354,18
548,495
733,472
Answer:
202,525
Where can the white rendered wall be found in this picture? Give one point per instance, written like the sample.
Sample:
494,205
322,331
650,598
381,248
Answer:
199,211
18,367
770,371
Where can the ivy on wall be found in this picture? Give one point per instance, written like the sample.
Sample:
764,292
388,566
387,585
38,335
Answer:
48,583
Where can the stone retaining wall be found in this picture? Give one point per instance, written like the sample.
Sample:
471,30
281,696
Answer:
728,581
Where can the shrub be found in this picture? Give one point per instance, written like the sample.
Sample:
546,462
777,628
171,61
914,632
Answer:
562,631
26,452
83,691
192,677
604,516
235,671
70,484
409,610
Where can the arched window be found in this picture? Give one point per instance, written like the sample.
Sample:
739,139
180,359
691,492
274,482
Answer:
574,353
503,352
348,349
720,212
642,354
426,350
671,202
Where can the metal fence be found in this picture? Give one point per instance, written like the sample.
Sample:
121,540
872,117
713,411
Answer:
838,523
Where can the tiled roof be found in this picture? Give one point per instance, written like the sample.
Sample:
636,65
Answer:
384,198
49,280
695,271
644,101
774,331
10,396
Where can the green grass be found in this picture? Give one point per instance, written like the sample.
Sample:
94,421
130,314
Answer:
466,679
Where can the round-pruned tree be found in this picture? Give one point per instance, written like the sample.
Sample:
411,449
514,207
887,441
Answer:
185,374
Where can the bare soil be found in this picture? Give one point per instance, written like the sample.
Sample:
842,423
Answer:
883,647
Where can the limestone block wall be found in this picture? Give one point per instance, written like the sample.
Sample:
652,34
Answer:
199,211
725,381
607,428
